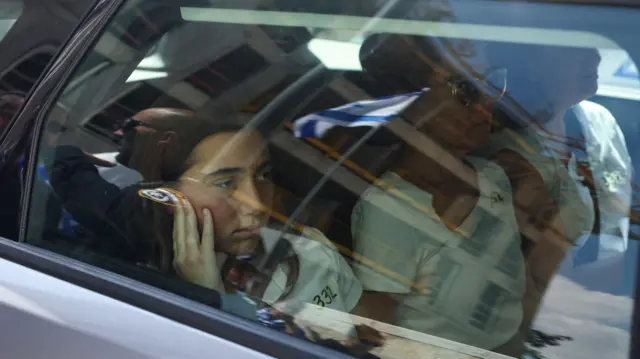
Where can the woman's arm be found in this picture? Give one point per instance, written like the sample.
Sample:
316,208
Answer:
386,256
537,214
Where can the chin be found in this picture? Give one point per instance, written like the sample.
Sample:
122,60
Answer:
239,246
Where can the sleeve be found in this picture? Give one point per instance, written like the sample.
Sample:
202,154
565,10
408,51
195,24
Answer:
574,207
80,188
616,171
610,164
99,206
349,286
386,246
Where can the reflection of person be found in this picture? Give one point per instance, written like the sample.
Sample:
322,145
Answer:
223,175
469,256
547,81
605,154
154,129
457,244
574,145
139,133
602,169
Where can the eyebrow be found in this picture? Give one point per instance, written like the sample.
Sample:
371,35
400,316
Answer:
226,171
236,170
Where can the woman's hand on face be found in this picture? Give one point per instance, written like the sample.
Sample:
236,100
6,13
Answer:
194,258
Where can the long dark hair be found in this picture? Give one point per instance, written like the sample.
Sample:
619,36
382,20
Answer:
149,222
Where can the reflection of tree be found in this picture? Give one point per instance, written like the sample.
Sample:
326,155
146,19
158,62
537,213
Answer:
537,340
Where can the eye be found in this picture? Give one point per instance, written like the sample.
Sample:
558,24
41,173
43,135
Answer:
225,184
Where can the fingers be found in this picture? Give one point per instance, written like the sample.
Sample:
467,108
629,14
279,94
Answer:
207,232
192,238
179,233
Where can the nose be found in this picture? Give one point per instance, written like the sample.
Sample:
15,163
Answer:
249,198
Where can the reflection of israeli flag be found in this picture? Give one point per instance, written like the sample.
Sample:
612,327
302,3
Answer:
361,113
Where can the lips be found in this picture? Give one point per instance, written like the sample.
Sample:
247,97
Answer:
247,231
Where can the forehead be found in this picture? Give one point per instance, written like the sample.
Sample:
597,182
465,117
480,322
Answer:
235,150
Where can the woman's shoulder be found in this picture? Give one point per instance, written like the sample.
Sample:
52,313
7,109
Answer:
310,244
391,193
515,166
529,146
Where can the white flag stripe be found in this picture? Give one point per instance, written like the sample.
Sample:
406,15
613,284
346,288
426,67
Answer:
371,113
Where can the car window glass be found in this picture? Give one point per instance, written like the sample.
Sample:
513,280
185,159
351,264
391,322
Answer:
381,178
27,45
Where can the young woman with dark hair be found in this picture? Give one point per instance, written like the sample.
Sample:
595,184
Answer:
211,214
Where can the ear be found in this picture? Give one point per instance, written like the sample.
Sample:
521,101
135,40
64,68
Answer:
167,137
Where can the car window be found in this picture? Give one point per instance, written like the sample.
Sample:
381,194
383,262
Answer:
389,179
30,35
28,42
